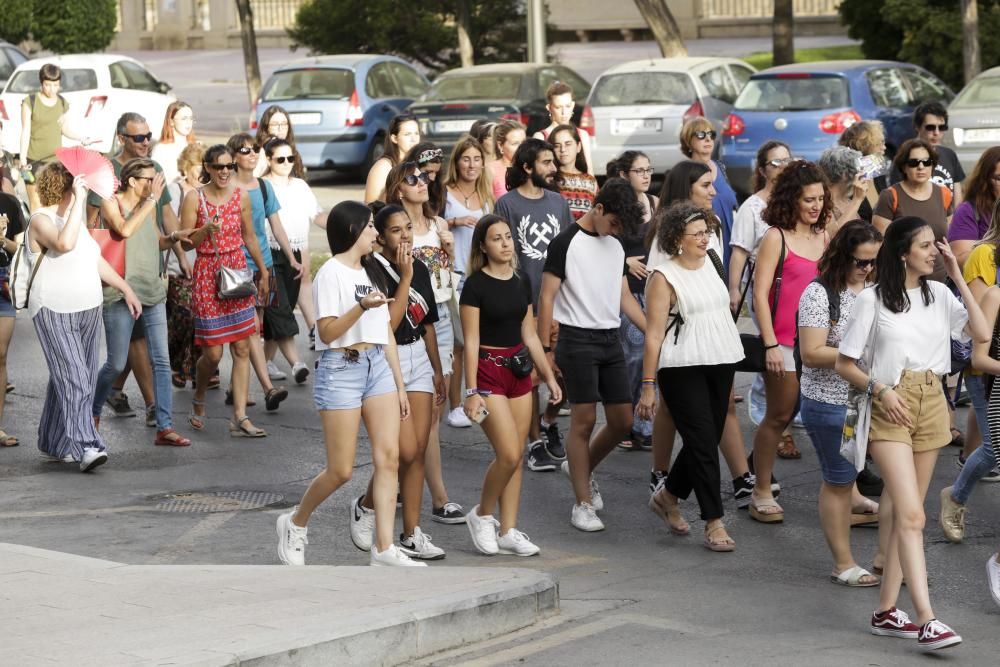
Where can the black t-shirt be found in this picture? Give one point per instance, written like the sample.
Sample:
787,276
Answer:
421,282
502,305
635,246
11,207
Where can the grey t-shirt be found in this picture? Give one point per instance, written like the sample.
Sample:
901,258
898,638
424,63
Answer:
534,223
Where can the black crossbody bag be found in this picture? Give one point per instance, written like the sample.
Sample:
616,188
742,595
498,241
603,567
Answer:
753,344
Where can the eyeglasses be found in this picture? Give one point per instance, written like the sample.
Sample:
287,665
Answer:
913,164
412,179
931,127
430,155
281,159
703,134
246,150
648,171
701,236
231,166
278,124
139,138
863,263
779,162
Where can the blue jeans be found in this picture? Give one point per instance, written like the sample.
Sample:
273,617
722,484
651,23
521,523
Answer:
118,325
634,345
825,424
980,461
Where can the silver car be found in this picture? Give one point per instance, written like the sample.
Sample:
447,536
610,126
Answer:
974,118
641,105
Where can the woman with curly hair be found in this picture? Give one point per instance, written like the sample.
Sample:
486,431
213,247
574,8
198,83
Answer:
797,213
842,166
275,123
868,138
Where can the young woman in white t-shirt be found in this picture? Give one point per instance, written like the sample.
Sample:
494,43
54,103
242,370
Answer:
910,350
357,377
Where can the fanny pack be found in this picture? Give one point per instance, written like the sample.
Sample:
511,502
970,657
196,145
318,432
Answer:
520,363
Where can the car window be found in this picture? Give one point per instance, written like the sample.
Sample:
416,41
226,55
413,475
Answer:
643,88
740,75
6,66
337,84
549,75
491,86
983,92
139,78
118,77
718,84
15,56
926,87
26,81
410,83
887,88
380,83
801,93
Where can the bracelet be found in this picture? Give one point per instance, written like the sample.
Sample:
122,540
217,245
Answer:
546,349
651,383
771,347
471,391
871,386
878,396
150,198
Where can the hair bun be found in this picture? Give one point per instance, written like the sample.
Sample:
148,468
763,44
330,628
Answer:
376,206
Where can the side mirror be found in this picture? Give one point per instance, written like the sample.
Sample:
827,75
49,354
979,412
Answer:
164,87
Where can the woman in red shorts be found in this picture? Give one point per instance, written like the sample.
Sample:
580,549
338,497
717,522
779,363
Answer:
220,214
498,326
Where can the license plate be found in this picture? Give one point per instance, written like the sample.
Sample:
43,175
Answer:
311,118
987,135
449,126
626,125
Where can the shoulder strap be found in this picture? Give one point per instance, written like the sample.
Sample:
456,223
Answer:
778,273
263,193
23,252
946,196
717,263
895,198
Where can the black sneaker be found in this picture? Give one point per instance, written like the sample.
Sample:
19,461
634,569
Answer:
118,402
539,459
742,488
656,478
450,513
775,485
869,484
553,441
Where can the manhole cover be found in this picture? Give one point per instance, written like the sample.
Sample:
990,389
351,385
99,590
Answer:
217,501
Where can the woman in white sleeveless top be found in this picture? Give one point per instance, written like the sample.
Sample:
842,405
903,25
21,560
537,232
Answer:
694,364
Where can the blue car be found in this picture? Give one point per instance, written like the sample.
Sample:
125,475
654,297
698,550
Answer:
808,105
340,106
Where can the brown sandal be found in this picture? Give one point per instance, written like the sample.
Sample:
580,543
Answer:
787,448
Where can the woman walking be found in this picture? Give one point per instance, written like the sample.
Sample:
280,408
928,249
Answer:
577,186
508,135
11,227
275,124
403,135
698,143
176,135
906,324
500,337
430,160
357,377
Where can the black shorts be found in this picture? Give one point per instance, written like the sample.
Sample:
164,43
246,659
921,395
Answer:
593,365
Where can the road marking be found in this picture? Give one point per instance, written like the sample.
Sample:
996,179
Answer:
186,542
76,512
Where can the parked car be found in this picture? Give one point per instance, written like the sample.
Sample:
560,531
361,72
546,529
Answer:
641,105
341,106
10,58
460,97
808,105
99,88
974,118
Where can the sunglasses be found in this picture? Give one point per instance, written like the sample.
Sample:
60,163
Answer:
702,134
140,138
780,162
863,263
412,179
143,178
281,159
231,166
246,150
913,164
931,127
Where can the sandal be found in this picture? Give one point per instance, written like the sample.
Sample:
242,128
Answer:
242,428
178,380
8,440
724,545
957,439
229,398
197,421
765,510
214,382
627,446
168,437
866,516
10,388
787,448
669,512
274,397
852,577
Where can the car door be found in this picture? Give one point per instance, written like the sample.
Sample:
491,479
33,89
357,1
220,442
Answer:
382,90
926,87
893,102
140,92
6,66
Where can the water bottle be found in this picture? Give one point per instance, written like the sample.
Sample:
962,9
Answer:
27,175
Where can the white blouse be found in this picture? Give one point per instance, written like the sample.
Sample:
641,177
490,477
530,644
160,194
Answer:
298,208
66,282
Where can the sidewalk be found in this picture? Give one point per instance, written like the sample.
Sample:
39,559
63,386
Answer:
66,609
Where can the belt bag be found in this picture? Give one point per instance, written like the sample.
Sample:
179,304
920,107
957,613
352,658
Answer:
230,283
519,364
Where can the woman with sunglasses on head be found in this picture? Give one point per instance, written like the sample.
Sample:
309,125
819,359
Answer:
275,123
275,318
575,183
847,183
402,136
358,378
176,134
508,135
697,139
906,324
221,216
868,138
430,160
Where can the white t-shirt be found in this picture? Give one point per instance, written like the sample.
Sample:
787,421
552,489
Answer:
166,156
298,208
918,339
748,226
591,269
336,289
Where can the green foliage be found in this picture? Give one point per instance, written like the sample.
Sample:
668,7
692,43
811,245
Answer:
763,59
74,26
15,20
863,18
424,32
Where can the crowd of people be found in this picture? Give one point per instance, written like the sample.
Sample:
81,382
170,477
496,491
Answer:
501,286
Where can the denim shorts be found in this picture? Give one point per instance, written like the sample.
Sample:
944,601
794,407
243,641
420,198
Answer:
593,366
445,337
344,380
415,365
824,423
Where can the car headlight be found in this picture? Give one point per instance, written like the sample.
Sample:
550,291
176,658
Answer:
958,134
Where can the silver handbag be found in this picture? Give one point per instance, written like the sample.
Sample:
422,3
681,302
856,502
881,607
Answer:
230,283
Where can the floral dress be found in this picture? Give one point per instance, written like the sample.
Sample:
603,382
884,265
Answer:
219,321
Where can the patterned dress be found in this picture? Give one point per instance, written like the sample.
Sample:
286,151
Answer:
219,321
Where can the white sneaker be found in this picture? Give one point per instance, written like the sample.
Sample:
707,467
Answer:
484,531
362,524
274,372
516,543
92,458
55,459
418,545
993,575
292,540
457,419
596,501
585,518
393,557
300,372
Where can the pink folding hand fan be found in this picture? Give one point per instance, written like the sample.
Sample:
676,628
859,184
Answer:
93,166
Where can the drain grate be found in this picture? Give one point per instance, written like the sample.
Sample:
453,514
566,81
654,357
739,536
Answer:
217,501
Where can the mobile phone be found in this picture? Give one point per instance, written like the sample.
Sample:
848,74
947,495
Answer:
481,414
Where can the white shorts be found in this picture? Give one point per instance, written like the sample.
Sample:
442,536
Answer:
415,367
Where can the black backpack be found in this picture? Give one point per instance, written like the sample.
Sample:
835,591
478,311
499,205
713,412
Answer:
833,299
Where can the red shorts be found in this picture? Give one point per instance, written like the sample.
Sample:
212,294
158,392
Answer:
499,380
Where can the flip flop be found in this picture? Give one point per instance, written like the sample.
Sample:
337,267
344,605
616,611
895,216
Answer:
724,546
852,577
867,518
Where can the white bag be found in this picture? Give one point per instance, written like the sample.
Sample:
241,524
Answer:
22,273
857,422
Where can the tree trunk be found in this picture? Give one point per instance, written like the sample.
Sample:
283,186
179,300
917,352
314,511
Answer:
463,22
249,38
783,44
970,39
664,27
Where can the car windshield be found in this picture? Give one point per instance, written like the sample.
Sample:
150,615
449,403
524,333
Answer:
983,92
493,86
643,88
26,81
795,93
336,84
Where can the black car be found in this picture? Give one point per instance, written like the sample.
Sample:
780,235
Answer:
459,97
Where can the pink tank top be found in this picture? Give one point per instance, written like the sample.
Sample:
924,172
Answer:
795,277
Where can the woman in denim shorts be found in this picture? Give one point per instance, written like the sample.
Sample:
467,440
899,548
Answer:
497,324
357,377
843,271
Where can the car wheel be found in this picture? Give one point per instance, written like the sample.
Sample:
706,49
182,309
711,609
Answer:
375,151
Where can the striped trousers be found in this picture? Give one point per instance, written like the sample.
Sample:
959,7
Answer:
71,345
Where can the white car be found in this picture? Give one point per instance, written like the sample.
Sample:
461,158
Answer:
99,89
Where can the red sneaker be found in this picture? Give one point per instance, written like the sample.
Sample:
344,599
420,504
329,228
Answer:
894,623
934,635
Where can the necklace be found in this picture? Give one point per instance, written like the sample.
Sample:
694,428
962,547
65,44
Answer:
465,196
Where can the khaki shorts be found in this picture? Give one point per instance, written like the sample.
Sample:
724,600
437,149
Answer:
921,392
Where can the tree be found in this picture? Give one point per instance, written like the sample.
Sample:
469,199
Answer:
249,38
659,19
880,40
783,37
463,24
970,39
74,26
15,20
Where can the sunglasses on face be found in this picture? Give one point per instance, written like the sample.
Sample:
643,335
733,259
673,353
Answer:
930,127
246,150
913,164
412,179
863,263
231,166
703,134
143,178
281,159
139,138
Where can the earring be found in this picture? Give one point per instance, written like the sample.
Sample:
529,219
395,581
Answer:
680,251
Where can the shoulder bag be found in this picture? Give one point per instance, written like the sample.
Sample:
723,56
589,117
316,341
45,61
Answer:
753,345
111,242
857,421
230,283
22,272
